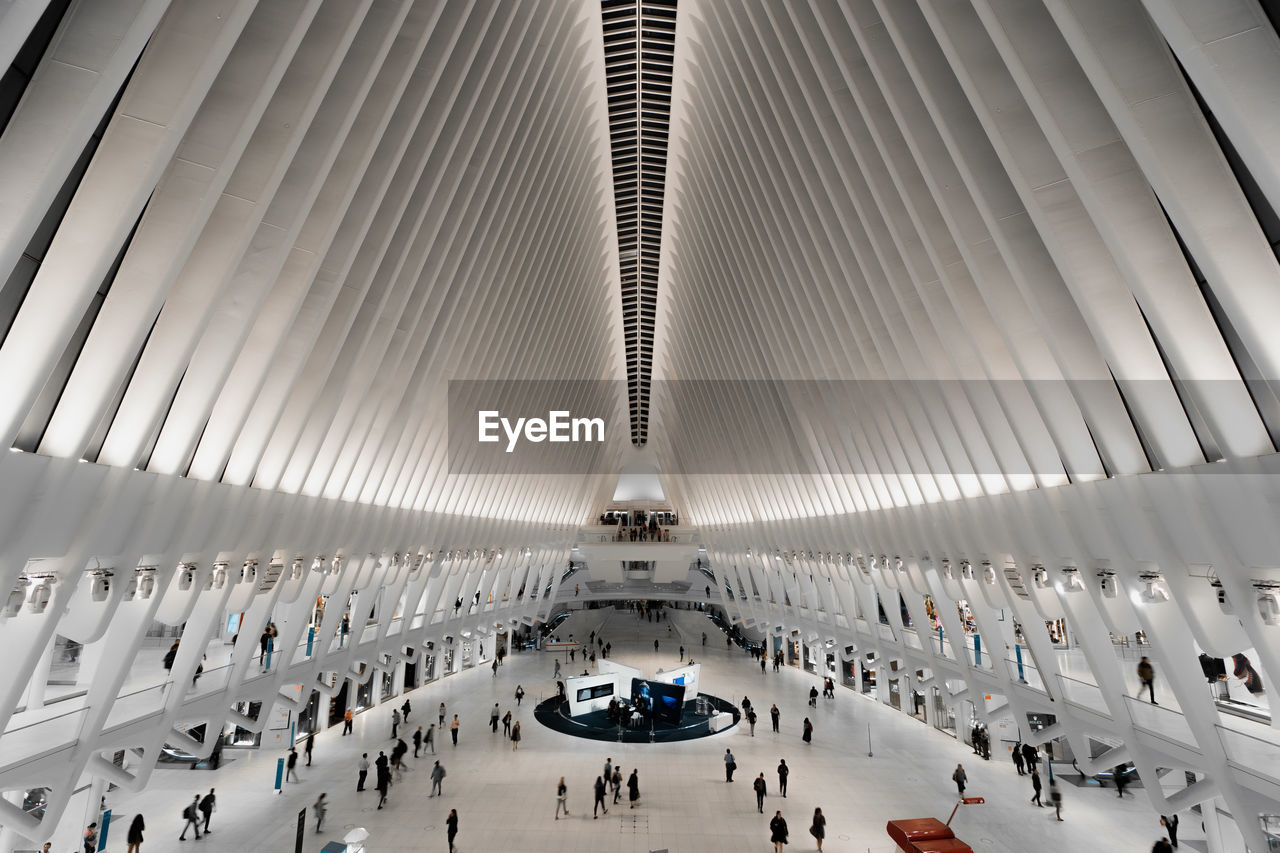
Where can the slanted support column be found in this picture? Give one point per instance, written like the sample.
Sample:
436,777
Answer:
39,683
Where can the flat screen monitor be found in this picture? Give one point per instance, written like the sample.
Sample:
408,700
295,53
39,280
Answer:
597,691
664,702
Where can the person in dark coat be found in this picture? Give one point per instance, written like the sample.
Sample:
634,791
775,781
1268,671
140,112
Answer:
633,787
600,789
1118,774
760,788
383,769
783,772
1170,824
960,778
778,831
311,742
1162,846
398,753
451,823
134,838
819,827
1017,759
191,814
1035,786
207,804
808,731
291,765
1147,675
1030,755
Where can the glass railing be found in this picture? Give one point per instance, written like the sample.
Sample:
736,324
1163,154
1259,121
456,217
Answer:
212,681
31,734
23,741
1084,694
1160,721
1252,754
976,654
1023,672
136,704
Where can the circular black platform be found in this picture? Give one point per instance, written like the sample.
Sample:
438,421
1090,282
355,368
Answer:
554,714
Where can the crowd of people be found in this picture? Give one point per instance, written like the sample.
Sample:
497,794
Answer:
393,763
1026,760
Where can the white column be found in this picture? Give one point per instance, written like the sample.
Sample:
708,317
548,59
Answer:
34,695
91,657
9,840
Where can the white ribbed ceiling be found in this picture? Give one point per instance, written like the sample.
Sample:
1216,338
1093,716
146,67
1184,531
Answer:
1001,241
252,242
295,229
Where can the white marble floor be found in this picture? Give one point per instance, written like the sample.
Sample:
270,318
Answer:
506,800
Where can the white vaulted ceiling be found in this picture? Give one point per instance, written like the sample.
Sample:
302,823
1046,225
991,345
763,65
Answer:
1007,227
300,221
257,256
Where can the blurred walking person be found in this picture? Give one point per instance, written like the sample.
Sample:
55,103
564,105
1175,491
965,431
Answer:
562,794
818,829
134,838
778,831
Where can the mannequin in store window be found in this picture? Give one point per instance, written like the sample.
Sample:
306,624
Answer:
1245,672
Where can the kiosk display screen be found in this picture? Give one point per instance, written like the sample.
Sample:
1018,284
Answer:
663,702
597,691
